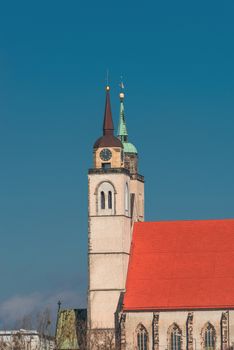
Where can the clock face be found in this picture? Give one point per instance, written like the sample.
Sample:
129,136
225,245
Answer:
105,154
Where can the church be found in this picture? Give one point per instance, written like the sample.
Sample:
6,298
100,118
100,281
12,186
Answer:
152,285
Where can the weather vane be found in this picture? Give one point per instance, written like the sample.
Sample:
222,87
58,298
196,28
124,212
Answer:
121,84
107,77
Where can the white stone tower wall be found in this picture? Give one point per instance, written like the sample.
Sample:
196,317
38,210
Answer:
137,187
109,245
110,233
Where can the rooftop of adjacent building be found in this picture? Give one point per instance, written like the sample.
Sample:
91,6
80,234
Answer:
28,333
21,331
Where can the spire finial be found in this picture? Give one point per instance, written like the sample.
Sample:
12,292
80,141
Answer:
121,85
107,80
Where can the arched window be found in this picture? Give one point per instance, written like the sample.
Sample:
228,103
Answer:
209,337
142,338
102,200
126,198
105,198
109,200
175,336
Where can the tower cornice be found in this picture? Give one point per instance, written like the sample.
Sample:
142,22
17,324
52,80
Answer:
102,171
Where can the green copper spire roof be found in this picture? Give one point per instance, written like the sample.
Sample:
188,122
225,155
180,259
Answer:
122,129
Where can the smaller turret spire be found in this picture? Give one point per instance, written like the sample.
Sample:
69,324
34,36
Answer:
122,129
108,126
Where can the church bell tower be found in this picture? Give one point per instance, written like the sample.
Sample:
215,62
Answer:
115,201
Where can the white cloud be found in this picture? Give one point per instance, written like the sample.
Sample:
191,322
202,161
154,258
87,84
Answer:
19,306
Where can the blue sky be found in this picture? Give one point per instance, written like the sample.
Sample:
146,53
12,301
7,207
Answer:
177,62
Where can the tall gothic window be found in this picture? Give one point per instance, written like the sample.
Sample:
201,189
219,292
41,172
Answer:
109,200
209,337
102,200
142,338
175,336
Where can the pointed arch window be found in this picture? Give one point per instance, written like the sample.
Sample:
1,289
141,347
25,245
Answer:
109,200
103,204
175,338
142,338
209,337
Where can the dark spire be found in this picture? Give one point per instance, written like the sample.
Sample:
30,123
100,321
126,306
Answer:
108,126
108,139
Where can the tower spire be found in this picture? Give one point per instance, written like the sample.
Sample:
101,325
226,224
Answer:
108,126
108,139
122,129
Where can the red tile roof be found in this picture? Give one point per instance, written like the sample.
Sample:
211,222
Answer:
181,265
